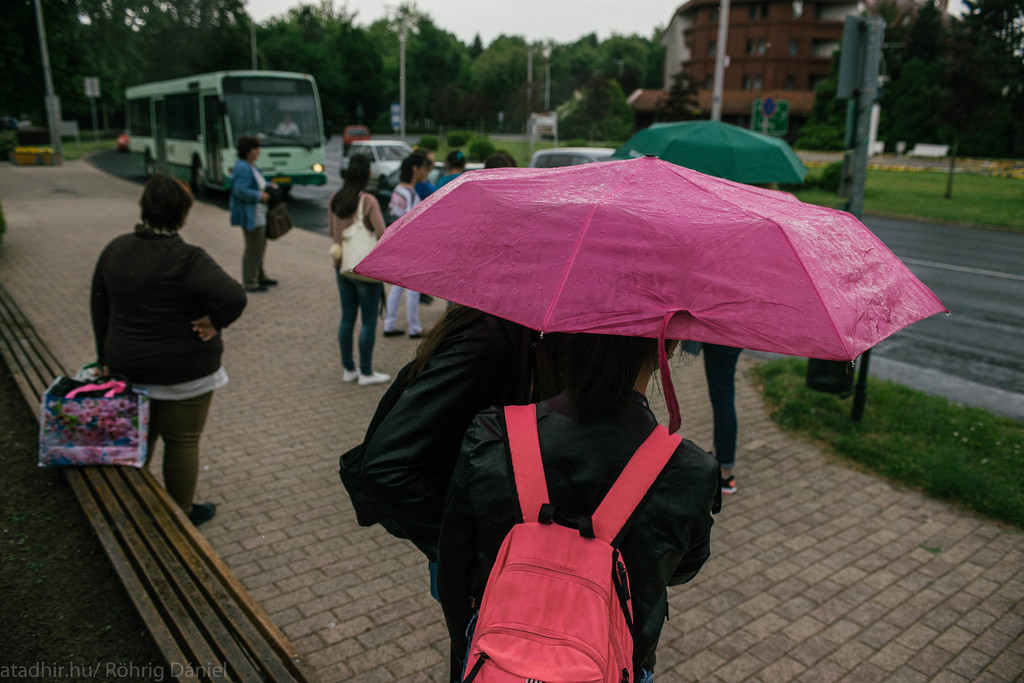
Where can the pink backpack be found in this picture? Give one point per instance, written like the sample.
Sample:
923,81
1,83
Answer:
556,606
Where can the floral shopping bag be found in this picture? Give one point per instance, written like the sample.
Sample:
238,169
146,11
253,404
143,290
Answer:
100,422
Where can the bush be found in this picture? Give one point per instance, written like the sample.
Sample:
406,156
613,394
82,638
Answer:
429,142
820,136
575,142
831,176
480,149
459,138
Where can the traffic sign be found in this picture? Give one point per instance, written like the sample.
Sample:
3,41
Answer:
770,116
396,115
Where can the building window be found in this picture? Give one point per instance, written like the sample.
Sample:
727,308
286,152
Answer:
764,10
746,82
798,9
711,48
709,84
750,46
755,47
714,14
823,48
790,82
758,85
753,11
761,47
794,46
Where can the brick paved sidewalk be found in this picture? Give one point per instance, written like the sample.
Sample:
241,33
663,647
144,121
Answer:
819,572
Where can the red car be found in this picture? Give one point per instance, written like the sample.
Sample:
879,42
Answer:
352,134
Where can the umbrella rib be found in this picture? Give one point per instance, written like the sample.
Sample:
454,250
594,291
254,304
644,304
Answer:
579,244
796,254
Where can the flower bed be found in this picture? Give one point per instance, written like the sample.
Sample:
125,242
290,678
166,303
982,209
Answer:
33,156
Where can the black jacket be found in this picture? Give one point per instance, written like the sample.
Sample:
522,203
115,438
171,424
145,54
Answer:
411,447
665,543
146,290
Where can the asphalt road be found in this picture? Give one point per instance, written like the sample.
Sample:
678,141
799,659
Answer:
974,356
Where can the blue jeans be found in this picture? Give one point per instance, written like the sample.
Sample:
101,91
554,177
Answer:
362,298
720,369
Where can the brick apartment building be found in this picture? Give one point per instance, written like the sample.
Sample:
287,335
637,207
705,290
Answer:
775,48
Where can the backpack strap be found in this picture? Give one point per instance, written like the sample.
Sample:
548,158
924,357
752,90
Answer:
527,466
632,485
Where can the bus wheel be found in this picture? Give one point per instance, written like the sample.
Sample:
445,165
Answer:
198,181
150,167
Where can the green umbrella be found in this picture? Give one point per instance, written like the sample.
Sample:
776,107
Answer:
719,149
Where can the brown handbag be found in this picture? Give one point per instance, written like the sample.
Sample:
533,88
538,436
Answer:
278,221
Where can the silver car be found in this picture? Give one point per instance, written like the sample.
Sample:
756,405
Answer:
385,157
569,156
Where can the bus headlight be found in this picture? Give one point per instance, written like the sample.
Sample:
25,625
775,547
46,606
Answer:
318,168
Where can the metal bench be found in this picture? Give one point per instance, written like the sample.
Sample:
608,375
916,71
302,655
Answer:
204,622
923,149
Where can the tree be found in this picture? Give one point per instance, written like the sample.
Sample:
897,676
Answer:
598,112
826,126
681,103
990,41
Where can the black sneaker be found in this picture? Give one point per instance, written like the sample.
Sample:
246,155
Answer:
201,512
393,333
728,484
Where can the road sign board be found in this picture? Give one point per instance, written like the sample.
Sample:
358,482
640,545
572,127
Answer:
775,123
768,107
396,115
92,86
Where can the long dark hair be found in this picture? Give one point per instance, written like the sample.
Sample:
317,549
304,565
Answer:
536,376
356,176
600,370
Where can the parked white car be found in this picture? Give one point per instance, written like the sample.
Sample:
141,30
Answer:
385,157
569,156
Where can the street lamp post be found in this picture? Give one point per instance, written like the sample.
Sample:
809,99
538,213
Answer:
547,78
720,55
52,101
252,43
529,96
402,32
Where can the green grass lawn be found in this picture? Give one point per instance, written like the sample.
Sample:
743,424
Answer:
987,200
952,452
73,150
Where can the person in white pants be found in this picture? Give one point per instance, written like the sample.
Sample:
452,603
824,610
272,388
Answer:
415,168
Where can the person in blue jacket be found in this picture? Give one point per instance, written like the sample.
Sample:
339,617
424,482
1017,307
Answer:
248,206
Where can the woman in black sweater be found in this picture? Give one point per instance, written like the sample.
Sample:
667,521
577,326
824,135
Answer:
158,306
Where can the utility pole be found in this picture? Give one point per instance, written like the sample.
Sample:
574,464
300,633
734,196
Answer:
720,56
52,101
402,32
252,43
529,96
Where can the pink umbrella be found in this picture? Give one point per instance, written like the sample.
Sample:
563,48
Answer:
646,248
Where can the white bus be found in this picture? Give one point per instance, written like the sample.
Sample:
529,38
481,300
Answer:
189,127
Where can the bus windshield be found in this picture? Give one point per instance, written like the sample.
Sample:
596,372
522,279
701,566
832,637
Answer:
280,112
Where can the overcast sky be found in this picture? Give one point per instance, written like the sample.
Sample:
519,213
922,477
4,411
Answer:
563,21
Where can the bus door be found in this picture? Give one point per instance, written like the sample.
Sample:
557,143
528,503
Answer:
213,138
161,135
